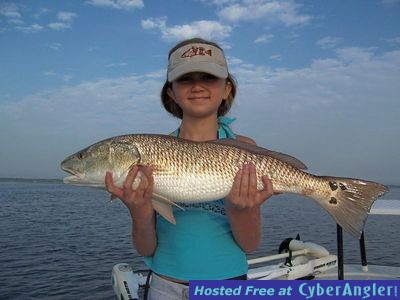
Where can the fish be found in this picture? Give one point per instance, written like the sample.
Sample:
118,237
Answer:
191,172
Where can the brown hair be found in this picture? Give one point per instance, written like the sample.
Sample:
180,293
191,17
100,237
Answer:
173,108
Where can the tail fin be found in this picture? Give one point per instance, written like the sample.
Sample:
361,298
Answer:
351,200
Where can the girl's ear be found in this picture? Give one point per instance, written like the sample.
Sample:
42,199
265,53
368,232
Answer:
228,89
171,93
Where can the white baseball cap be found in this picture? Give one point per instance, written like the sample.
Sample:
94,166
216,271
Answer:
197,57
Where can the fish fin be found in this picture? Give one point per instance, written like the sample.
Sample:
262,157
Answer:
263,151
165,200
164,209
350,201
163,206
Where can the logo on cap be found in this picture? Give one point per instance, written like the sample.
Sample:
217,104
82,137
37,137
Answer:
196,51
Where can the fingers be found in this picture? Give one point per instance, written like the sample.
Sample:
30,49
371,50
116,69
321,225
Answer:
244,192
235,190
252,188
148,172
129,193
130,177
244,183
268,189
111,188
248,184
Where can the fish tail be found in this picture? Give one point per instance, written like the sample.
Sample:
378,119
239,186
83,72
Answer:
350,201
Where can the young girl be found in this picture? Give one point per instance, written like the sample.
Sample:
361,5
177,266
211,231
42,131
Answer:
210,240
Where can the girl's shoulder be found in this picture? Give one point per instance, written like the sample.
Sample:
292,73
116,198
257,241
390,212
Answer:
245,139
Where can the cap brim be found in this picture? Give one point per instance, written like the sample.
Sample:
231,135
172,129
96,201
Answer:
210,68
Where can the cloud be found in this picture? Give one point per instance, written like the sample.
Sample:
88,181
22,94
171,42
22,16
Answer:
10,10
205,29
66,16
34,28
329,42
394,41
64,21
284,12
117,4
276,57
218,2
354,76
89,104
333,108
49,73
58,26
390,2
265,38
113,65
41,12
54,46
152,23
16,21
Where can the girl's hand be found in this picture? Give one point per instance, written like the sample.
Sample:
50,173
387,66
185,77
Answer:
138,201
139,197
244,192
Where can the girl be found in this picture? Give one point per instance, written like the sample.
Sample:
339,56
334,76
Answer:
209,241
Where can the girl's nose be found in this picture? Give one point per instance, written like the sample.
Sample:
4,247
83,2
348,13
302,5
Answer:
197,84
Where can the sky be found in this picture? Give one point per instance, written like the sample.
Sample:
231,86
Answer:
319,80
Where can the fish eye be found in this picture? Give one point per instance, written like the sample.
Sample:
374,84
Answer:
80,155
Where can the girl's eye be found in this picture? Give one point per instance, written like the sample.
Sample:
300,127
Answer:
202,78
184,79
209,78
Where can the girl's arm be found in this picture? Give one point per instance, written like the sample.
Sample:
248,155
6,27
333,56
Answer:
243,205
138,202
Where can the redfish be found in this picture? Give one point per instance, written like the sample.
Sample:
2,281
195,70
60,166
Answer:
190,172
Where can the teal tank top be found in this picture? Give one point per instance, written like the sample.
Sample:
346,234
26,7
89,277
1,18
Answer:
200,245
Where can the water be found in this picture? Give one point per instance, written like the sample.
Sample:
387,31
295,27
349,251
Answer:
61,242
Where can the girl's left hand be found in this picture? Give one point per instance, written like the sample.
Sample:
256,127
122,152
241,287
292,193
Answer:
244,192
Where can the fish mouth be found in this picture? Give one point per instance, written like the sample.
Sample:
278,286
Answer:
79,179
75,177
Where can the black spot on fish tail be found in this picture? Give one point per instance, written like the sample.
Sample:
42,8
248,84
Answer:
333,201
342,186
333,185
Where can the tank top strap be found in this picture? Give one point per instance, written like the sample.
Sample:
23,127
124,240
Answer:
224,131
175,133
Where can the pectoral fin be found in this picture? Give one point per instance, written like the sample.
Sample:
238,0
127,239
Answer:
164,209
163,206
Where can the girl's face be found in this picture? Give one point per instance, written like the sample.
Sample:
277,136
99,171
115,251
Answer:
199,94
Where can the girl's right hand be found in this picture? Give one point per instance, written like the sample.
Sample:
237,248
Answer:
134,199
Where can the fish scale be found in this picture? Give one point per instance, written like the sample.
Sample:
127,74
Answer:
191,172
